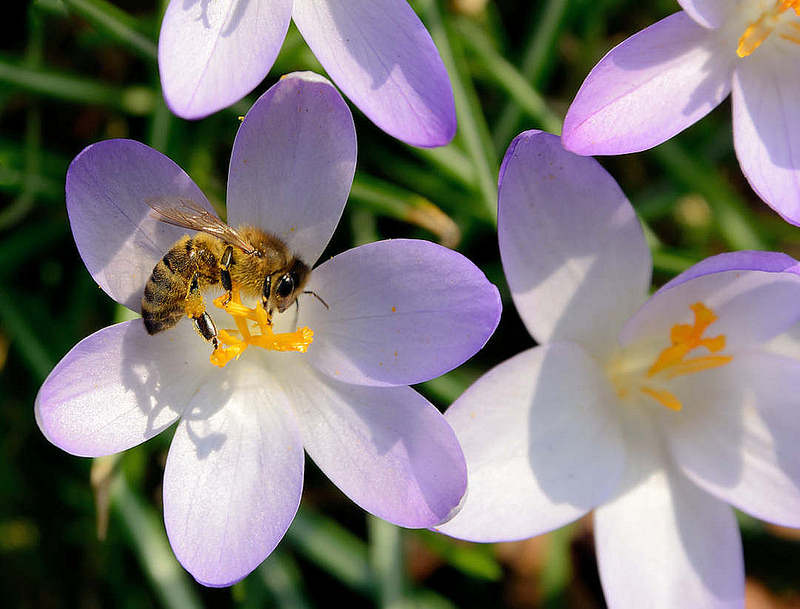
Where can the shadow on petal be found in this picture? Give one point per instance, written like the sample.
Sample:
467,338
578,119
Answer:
576,450
169,371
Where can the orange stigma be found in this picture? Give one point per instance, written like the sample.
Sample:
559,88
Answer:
672,361
760,29
234,342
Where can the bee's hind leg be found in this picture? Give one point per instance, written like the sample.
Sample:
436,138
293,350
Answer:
196,311
206,328
225,262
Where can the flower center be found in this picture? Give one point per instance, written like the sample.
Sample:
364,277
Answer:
628,373
234,342
760,29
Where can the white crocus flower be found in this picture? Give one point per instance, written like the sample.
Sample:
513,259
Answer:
658,413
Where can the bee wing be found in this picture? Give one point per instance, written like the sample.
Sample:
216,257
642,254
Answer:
188,214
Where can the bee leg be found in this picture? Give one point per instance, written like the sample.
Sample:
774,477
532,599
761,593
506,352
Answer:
206,328
194,306
196,310
225,262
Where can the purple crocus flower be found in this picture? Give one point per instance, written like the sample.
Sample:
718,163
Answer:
659,416
671,74
399,312
379,53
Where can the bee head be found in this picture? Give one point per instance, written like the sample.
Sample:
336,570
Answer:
282,288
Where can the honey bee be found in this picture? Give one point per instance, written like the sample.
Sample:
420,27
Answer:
248,259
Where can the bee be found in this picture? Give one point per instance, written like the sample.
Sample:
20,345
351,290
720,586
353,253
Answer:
257,263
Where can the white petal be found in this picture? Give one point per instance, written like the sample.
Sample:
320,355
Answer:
213,53
708,13
542,443
120,387
572,247
387,448
649,88
752,307
665,544
382,57
233,478
293,162
737,434
766,124
117,236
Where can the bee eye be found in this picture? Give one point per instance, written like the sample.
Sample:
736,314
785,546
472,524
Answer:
285,285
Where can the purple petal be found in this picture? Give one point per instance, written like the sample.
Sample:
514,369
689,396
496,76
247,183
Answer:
400,312
648,88
386,448
118,239
666,544
120,387
751,307
766,127
771,262
737,436
293,163
542,443
708,13
384,60
572,248
211,54
233,477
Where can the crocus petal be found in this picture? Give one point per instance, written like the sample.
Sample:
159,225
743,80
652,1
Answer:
766,127
233,477
648,88
399,312
737,434
665,543
708,13
786,344
293,162
572,248
751,307
211,54
119,387
772,262
382,57
386,448
542,443
120,242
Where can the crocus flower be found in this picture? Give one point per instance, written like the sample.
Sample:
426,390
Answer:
211,54
659,416
671,74
398,312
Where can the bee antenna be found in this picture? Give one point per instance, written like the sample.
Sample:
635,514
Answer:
318,297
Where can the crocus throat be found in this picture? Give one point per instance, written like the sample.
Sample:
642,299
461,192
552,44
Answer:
234,342
675,360
760,29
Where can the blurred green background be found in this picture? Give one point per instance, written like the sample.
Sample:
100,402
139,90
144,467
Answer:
86,534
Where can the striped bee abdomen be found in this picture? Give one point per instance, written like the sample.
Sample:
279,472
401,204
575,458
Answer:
165,293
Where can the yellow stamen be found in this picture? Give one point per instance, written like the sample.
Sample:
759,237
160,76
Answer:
663,397
760,29
231,347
